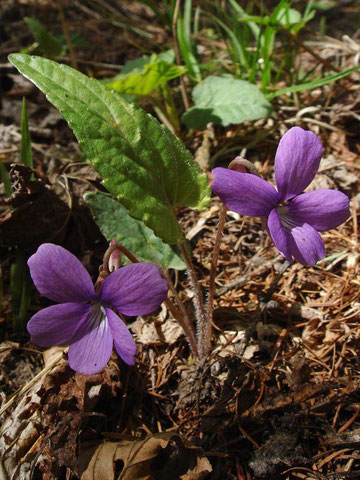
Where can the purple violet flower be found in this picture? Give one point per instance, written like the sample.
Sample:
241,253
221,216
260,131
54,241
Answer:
293,218
85,319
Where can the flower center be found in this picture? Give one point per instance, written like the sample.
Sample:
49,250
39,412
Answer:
96,316
286,221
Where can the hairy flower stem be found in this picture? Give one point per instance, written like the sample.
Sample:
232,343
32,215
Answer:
210,304
179,314
240,164
104,268
197,300
122,249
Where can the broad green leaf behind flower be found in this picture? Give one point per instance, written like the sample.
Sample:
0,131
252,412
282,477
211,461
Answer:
142,164
116,224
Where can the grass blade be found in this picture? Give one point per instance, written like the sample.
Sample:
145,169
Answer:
185,42
26,156
313,84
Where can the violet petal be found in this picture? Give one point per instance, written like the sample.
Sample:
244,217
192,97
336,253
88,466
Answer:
306,244
57,324
92,351
322,209
244,193
123,340
297,161
135,289
59,275
278,234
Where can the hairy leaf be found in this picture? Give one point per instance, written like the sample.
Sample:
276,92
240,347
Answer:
116,224
142,163
224,100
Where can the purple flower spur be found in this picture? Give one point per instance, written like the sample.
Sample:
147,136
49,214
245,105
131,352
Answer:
293,218
84,318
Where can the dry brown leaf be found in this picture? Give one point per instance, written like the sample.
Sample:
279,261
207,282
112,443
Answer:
42,431
51,354
158,457
156,333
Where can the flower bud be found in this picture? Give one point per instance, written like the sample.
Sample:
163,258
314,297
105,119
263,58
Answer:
115,258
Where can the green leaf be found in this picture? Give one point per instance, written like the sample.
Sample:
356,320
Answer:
224,100
143,82
313,84
140,76
287,16
130,66
116,224
142,163
139,63
290,18
48,43
77,41
167,56
324,5
25,147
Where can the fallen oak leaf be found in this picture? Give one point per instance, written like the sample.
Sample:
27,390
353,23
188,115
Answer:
153,458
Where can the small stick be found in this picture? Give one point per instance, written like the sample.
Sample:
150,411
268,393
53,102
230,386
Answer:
293,38
27,387
67,34
263,299
266,296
